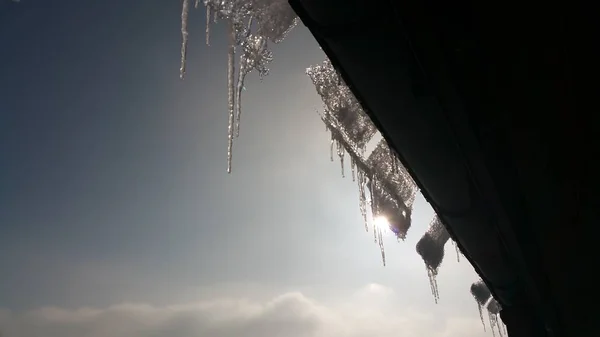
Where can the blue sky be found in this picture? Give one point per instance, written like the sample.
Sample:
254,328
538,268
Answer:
114,194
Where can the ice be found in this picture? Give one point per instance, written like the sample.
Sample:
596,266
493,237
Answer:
493,308
390,187
252,26
254,56
395,199
431,249
481,294
484,299
252,23
230,94
184,36
457,251
276,19
208,19
341,104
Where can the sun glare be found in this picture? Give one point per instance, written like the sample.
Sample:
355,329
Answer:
381,222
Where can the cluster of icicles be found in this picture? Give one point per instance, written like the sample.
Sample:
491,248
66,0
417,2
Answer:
384,184
386,190
484,299
252,24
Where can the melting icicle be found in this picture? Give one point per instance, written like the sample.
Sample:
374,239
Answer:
457,251
208,19
341,152
352,169
480,308
230,93
431,249
362,198
331,146
275,19
255,55
481,294
184,35
493,308
381,247
431,274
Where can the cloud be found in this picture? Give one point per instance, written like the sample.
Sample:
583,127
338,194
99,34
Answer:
371,311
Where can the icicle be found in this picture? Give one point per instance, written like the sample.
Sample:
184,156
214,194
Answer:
230,93
431,249
381,247
431,274
341,153
196,4
493,308
480,308
352,168
238,97
184,35
362,198
457,251
208,18
331,147
255,55
481,294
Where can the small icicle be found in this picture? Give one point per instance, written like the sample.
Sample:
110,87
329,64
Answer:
331,147
457,251
230,93
196,4
184,35
238,96
352,168
480,308
374,233
208,19
433,284
341,152
381,247
243,71
362,198
492,325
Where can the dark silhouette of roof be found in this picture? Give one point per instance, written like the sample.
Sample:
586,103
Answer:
489,106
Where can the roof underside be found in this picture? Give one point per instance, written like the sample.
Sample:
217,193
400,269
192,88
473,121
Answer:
480,104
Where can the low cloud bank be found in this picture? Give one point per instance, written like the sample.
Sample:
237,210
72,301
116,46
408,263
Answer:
370,312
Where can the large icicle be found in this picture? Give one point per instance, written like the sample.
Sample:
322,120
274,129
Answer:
184,36
251,24
431,249
230,94
208,19
481,294
255,55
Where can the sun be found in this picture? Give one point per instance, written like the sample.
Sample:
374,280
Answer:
381,222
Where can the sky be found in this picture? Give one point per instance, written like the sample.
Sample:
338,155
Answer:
117,215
